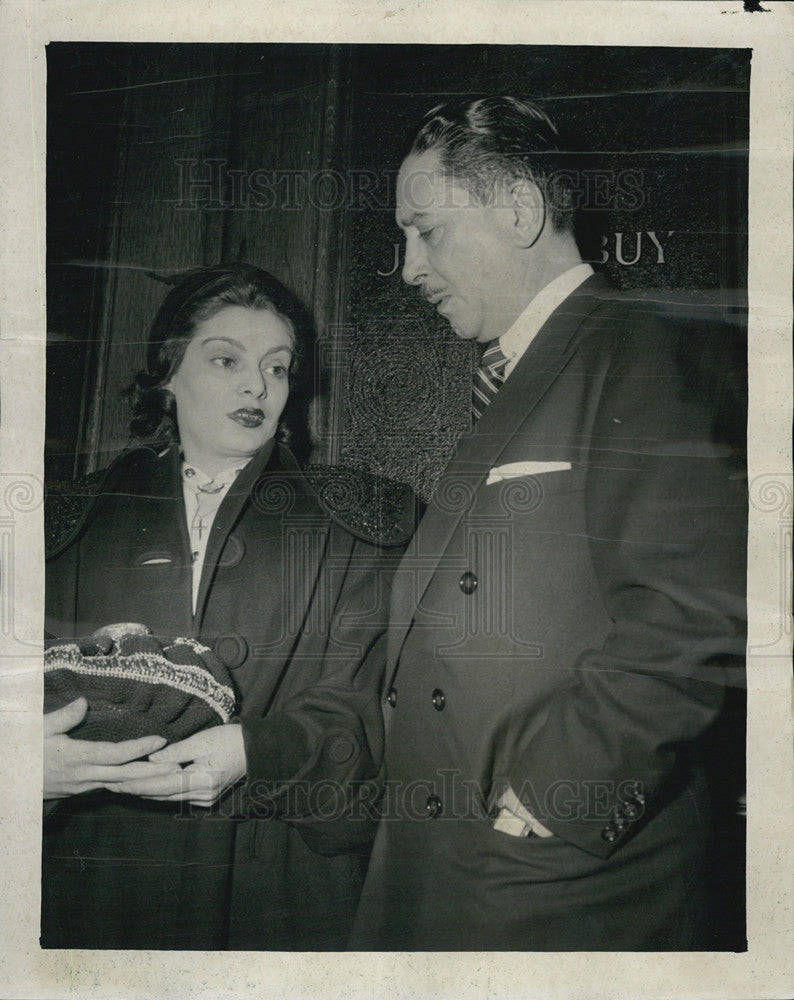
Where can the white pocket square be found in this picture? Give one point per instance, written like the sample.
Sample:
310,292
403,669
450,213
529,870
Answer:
515,469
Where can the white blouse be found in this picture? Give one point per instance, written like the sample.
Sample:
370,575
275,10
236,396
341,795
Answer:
203,496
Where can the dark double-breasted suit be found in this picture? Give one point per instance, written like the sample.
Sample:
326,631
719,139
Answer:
565,623
295,605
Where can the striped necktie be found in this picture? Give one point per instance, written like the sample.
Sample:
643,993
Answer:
488,378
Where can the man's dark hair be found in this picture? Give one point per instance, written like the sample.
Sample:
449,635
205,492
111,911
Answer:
486,142
197,296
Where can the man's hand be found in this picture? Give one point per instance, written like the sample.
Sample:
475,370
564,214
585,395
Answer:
73,766
215,761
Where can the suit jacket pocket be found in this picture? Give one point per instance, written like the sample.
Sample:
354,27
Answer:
526,494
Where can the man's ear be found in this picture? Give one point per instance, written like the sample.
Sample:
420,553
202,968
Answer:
528,213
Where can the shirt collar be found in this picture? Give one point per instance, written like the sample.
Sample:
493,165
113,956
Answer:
526,327
197,479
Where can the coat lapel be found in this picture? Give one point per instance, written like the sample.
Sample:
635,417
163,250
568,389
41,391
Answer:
479,451
170,526
225,520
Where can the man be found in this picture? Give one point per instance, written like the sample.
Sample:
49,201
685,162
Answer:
564,624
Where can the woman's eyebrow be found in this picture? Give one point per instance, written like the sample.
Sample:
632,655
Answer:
224,340
243,348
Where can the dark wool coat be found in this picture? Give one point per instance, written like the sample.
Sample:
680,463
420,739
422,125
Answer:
568,625
293,603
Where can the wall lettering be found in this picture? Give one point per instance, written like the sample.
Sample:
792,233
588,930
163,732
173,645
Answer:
624,246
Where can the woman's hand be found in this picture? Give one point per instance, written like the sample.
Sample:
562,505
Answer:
215,761
73,766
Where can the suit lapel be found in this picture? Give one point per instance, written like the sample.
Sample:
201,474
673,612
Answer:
479,451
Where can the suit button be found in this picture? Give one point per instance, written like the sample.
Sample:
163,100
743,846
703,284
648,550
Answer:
633,791
609,833
391,697
231,649
341,749
434,806
468,582
630,810
620,823
439,700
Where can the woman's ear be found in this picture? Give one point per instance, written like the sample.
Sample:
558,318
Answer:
528,213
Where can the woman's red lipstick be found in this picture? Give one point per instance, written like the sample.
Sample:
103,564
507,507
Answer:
248,416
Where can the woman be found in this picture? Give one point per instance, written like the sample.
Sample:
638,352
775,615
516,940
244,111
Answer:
253,834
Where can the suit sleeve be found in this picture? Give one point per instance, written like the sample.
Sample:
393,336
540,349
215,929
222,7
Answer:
666,509
317,760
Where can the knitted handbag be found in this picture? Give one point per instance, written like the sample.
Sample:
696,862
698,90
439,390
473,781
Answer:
138,685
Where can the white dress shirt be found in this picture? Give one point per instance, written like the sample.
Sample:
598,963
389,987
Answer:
526,327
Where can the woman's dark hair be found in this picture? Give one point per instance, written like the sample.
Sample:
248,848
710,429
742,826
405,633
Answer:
197,296
487,141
